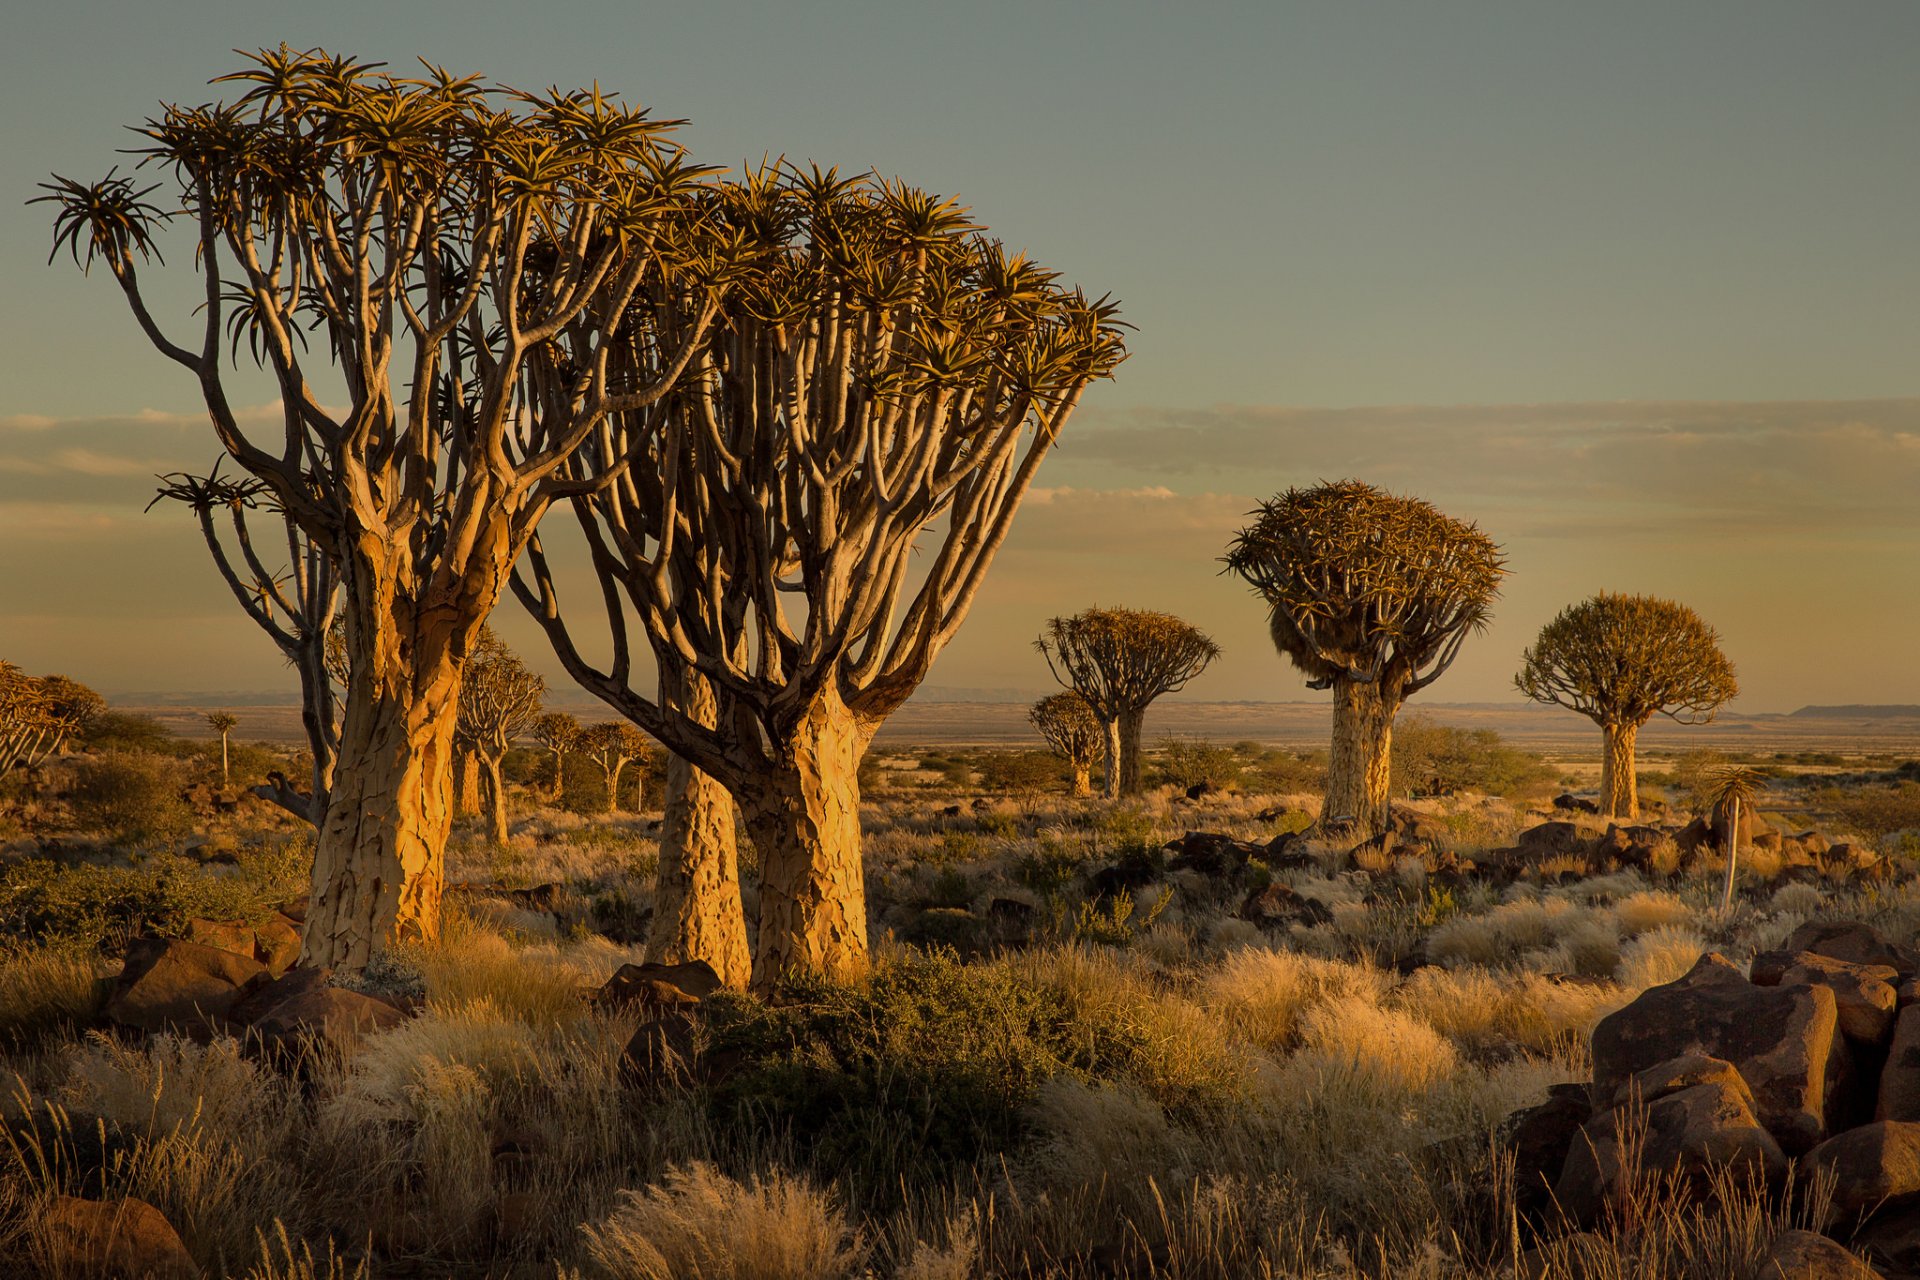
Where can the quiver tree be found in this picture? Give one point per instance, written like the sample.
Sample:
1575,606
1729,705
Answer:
499,701
471,258
1119,661
1370,595
697,914
30,724
559,733
223,723
1072,732
805,522
71,708
1733,788
296,605
1619,661
613,746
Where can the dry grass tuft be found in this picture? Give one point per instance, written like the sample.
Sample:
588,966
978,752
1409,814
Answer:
699,1224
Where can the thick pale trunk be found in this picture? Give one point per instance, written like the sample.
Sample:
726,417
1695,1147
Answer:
613,787
1619,788
1733,852
1130,725
559,773
804,814
696,898
1110,787
496,799
226,772
1082,782
379,862
1358,769
468,765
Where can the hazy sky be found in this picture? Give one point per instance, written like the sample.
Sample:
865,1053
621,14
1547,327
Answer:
1640,281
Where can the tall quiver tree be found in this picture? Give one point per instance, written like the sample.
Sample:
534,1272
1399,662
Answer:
1370,595
223,723
697,913
885,382
1072,732
499,701
295,605
497,245
1619,661
1119,661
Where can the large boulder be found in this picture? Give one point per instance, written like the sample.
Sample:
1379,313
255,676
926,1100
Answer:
1900,1077
1780,1039
1550,839
1538,1139
1855,942
174,984
1693,1132
1876,1166
1802,1255
659,986
112,1239
303,1011
1864,993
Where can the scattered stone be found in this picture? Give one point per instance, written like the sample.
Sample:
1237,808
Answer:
1200,790
1779,1038
1539,1139
1550,839
1278,906
171,983
124,1239
1864,992
1210,853
659,985
663,1050
1130,871
1570,803
304,1011
1874,1166
1802,1255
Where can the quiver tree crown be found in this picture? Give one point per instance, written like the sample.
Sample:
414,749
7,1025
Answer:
1623,659
1367,586
1070,728
39,713
1120,660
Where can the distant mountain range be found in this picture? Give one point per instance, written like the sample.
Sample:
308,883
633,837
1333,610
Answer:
1863,711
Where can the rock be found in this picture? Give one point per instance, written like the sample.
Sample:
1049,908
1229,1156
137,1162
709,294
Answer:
1779,1038
663,1050
228,935
1694,1133
1550,839
1891,1240
1567,802
1802,1255
1539,1138
1855,942
1873,1166
1676,1074
296,910
173,983
1210,853
1128,872
1813,842
1900,1078
1278,906
304,1011
1011,911
661,985
1864,992
276,944
1200,790
126,1239
954,927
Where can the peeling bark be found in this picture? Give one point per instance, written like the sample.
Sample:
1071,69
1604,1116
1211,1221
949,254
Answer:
1130,724
804,815
496,792
1082,781
1359,769
696,898
1619,787
1110,784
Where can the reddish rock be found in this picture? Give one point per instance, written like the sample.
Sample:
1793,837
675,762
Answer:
659,985
276,944
228,935
1780,1039
1852,941
1802,1255
663,1050
1680,1073
173,983
1277,906
1693,1133
122,1239
1539,1139
303,1010
1875,1166
1550,839
1864,993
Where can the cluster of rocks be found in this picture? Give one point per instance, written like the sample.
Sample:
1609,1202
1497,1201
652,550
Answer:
1676,849
1801,1075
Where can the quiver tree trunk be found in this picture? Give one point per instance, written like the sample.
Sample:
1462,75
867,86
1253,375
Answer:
804,815
1619,787
467,766
1359,769
1130,725
496,793
1082,780
1110,784
379,861
696,898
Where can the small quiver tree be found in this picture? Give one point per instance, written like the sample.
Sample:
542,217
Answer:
1119,661
497,246
1073,733
1369,595
807,521
1733,788
613,746
1619,661
297,606
223,723
559,733
499,701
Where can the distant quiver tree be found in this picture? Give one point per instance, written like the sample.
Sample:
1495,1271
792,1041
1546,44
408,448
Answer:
1620,660
1370,595
39,713
1073,733
223,723
499,701
804,524
559,733
1119,661
491,275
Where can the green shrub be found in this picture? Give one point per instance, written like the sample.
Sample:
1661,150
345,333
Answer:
117,731
1020,773
1050,866
1189,762
133,797
903,1082
1291,772
42,901
1429,758
1874,810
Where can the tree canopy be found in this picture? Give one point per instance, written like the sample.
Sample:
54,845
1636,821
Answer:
1120,660
1621,659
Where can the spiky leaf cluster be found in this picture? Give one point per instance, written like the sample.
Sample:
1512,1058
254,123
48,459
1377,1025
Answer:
499,697
1366,585
1120,660
38,713
1070,728
1620,660
556,731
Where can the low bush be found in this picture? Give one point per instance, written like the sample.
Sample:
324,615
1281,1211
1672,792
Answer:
43,901
134,797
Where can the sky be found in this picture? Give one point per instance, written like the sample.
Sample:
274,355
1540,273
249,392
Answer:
1635,287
